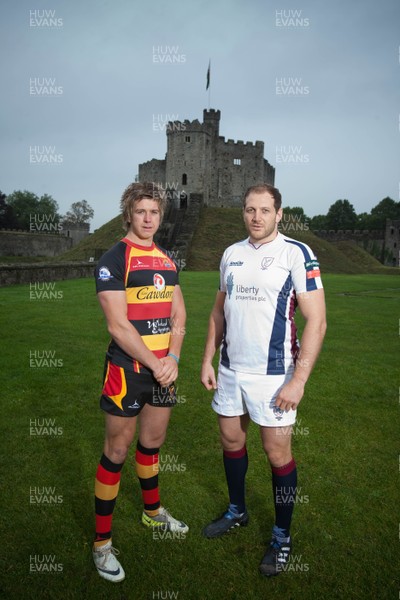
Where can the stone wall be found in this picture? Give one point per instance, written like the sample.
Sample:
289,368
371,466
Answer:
349,234
44,272
239,166
152,170
178,227
392,242
383,245
24,243
76,232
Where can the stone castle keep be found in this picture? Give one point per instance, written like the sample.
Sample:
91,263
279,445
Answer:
201,164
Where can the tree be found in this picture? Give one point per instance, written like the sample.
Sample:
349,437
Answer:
80,212
293,219
47,205
23,204
296,210
341,215
319,222
7,219
385,209
29,209
363,221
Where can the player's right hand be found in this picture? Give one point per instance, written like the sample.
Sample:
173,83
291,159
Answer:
161,374
207,377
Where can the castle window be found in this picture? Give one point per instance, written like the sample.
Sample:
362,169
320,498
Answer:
187,138
237,161
184,179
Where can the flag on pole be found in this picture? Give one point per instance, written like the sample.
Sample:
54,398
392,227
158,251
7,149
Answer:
208,75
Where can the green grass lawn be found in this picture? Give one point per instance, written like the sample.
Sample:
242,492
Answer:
345,528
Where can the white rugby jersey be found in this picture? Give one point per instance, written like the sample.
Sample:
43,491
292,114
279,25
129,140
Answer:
261,284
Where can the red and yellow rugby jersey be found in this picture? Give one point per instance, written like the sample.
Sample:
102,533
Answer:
148,276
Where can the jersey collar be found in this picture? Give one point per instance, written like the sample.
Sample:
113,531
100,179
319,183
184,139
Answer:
133,245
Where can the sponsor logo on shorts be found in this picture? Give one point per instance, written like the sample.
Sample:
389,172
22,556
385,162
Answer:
159,282
104,274
278,412
266,262
134,405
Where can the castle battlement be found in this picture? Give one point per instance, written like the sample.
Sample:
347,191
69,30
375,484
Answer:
241,143
182,126
153,161
212,116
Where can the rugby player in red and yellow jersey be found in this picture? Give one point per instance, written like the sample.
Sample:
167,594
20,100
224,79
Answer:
138,289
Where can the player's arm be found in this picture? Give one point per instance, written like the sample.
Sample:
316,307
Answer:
312,307
113,303
178,321
213,342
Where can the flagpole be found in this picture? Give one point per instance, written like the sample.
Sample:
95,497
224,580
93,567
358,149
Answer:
208,86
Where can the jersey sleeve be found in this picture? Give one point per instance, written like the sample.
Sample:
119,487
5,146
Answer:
222,268
305,269
110,270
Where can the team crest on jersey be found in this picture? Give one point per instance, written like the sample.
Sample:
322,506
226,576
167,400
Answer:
159,282
104,274
266,262
278,412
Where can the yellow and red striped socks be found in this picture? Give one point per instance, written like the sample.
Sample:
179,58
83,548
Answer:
106,491
147,471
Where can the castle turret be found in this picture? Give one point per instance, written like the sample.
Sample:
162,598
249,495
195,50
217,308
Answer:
211,119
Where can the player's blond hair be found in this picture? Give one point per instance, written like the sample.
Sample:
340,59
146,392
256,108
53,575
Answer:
137,191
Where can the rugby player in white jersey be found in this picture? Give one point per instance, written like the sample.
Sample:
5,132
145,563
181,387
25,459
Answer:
263,369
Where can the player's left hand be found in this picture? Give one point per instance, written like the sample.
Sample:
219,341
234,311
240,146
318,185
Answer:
170,373
290,395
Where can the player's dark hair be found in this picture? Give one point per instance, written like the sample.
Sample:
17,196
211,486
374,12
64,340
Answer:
261,188
137,191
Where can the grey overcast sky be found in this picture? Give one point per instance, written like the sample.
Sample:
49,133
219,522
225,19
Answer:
90,84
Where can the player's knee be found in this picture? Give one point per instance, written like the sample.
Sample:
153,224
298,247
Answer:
276,455
117,451
152,441
232,443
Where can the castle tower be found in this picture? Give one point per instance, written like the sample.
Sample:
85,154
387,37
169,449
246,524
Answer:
188,156
211,119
